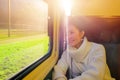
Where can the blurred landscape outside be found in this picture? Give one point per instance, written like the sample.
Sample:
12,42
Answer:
23,34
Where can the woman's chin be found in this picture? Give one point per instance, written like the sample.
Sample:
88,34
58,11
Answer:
72,45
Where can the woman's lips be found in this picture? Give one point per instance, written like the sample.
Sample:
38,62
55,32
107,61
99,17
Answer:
71,41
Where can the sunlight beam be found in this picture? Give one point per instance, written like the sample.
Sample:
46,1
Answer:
67,6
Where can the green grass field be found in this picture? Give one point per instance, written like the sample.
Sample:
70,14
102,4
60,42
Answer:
15,56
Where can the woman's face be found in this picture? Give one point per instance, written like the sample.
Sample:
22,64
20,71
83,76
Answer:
74,36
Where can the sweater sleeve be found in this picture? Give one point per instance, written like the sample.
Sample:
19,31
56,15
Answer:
96,67
61,68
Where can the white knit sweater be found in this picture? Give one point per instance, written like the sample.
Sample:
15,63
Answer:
88,62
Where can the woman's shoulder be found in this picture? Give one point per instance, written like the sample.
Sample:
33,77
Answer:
97,45
64,54
97,49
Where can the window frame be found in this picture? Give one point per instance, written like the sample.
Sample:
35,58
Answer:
24,72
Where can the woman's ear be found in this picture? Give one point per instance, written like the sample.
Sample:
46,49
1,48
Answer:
82,33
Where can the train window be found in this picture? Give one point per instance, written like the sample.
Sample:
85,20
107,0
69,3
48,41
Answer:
23,34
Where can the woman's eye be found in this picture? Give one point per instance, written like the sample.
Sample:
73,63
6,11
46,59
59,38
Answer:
72,32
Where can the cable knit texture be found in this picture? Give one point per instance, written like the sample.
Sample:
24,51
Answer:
88,62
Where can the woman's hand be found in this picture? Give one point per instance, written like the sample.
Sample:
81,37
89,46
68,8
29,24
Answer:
60,78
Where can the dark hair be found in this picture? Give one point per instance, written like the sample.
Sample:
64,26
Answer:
80,23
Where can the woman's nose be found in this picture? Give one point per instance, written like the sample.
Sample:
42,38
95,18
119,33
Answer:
69,37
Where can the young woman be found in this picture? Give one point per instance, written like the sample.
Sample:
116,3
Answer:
85,60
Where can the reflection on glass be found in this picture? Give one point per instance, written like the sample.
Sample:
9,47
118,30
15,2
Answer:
28,39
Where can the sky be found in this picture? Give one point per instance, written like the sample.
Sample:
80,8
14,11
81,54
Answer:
23,11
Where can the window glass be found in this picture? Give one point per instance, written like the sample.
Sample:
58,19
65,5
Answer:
23,34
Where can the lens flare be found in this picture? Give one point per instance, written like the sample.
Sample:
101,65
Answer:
67,6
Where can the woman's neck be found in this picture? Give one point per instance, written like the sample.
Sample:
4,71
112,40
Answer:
79,44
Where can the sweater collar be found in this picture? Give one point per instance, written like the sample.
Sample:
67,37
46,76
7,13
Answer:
80,53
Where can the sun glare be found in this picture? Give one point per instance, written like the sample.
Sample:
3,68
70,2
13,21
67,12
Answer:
66,5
